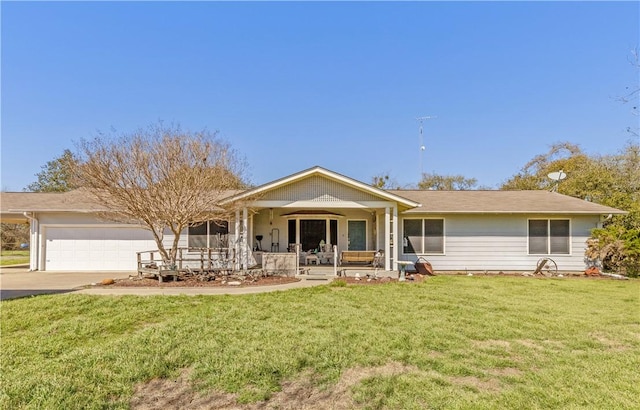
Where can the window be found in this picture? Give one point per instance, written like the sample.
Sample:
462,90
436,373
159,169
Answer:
423,236
549,236
312,231
211,234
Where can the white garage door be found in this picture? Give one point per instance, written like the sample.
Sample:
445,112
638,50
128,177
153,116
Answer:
95,248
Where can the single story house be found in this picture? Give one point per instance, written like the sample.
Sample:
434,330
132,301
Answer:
320,209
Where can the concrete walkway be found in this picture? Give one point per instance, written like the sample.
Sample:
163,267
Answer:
214,290
16,281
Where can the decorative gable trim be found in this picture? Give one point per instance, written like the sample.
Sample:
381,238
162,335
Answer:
319,185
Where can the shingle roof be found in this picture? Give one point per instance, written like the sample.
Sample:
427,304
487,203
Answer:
434,202
77,200
14,204
501,202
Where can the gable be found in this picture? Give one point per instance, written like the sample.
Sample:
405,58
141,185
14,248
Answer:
317,186
318,189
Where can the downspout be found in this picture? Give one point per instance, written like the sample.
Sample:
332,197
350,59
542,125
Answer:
34,242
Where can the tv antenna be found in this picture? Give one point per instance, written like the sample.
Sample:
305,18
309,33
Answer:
557,177
422,147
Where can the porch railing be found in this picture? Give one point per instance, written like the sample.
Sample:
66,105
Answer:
195,259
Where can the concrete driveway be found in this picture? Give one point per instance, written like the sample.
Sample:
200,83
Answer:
16,281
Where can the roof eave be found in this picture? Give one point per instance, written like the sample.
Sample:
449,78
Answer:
440,212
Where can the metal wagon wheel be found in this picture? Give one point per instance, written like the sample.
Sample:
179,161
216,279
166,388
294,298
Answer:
549,267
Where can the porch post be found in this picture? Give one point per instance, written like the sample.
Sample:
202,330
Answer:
34,245
327,230
236,242
387,239
246,239
396,241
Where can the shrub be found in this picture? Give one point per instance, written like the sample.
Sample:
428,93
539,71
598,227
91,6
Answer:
615,248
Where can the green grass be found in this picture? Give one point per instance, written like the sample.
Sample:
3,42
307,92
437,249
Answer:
14,257
466,342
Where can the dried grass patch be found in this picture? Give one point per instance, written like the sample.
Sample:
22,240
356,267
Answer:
490,385
300,394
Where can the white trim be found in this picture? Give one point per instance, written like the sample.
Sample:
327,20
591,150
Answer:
187,235
236,244
311,216
320,204
244,246
387,239
43,234
366,231
328,174
422,250
549,253
395,229
326,218
35,243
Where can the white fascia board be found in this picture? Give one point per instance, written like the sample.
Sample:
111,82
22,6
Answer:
328,174
411,212
324,205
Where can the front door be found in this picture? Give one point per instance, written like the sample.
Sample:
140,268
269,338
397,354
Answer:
357,235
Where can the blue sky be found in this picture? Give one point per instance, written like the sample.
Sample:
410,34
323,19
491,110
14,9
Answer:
296,84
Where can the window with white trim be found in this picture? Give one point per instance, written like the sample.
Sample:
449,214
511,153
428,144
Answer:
423,236
549,236
210,234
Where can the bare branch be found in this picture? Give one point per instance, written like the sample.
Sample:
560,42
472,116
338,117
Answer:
162,178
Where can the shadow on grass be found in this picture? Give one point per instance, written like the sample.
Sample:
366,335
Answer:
6,294
18,266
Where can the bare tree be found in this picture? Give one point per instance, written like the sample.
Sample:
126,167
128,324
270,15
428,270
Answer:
161,177
13,235
632,93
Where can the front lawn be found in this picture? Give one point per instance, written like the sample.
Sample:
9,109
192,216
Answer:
450,342
14,257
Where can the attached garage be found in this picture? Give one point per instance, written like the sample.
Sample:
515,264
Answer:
96,248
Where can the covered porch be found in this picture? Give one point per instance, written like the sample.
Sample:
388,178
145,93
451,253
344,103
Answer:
320,237
320,214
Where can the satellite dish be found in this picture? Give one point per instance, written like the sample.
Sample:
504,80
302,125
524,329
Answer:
557,176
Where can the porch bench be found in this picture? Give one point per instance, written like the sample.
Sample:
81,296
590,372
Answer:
160,272
357,257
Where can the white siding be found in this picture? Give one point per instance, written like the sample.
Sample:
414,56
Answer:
318,189
500,243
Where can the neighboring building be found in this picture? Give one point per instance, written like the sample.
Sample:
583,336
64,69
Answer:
454,230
